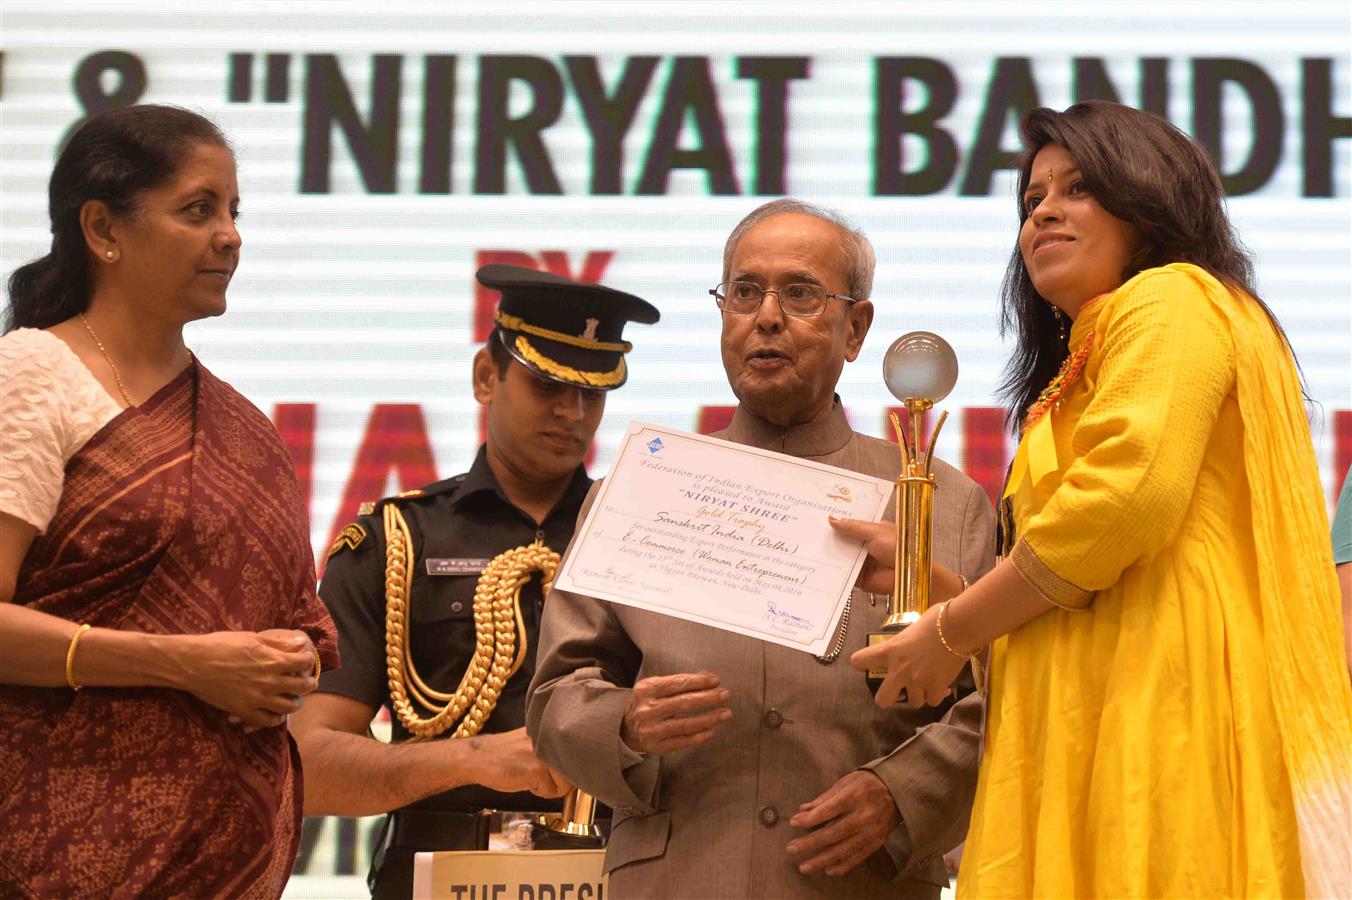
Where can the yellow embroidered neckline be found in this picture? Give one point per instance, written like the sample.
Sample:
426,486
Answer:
1051,395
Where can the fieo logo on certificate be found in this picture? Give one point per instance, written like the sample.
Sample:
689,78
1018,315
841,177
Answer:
729,536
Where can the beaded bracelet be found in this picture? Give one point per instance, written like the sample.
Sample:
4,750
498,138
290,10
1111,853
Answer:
70,657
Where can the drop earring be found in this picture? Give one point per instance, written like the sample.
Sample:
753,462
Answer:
1060,322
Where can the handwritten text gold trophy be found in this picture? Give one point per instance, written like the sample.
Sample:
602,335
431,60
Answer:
920,369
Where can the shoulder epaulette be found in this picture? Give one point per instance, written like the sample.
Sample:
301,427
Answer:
437,487
352,535
446,485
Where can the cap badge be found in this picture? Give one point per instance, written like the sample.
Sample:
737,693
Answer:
589,333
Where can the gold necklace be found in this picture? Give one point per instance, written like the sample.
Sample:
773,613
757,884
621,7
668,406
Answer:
106,358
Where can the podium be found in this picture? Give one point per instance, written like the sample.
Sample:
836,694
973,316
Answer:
509,875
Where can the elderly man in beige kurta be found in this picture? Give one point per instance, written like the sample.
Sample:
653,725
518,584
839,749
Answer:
740,768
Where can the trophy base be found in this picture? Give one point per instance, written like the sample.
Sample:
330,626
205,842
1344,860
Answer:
552,833
895,624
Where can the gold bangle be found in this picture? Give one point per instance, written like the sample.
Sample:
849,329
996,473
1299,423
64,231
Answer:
939,627
70,657
319,664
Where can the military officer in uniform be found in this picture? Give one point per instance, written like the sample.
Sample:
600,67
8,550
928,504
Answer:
436,592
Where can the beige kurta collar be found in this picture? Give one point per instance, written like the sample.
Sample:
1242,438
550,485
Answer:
818,438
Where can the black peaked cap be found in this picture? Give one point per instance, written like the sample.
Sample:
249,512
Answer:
565,330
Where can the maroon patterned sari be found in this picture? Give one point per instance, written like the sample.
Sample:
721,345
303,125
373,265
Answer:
180,516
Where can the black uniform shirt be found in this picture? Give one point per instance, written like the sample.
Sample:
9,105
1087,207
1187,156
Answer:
463,518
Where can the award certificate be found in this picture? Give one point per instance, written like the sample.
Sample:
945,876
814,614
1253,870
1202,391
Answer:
725,535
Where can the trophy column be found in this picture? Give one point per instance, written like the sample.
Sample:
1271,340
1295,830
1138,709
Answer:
920,369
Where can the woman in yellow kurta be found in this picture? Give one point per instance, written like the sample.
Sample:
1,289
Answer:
1168,712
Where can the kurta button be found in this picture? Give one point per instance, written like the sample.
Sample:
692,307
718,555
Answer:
773,718
457,606
769,816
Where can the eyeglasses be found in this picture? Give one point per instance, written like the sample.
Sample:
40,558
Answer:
744,297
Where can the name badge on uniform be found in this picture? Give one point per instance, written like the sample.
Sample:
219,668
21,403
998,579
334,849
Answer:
456,566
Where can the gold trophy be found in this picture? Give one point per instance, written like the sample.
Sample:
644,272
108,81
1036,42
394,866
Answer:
920,369
574,829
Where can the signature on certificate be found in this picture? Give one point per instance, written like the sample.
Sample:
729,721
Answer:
777,616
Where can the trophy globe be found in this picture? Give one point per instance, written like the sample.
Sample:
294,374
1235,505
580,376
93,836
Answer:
920,366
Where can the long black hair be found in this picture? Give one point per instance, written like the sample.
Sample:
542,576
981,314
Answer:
1144,171
115,157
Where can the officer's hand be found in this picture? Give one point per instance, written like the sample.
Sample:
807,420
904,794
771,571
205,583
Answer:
506,762
850,821
669,712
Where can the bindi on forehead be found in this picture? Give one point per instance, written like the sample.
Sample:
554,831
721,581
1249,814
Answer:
1053,158
1041,174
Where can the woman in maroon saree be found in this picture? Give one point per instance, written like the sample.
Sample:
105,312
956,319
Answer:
148,756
